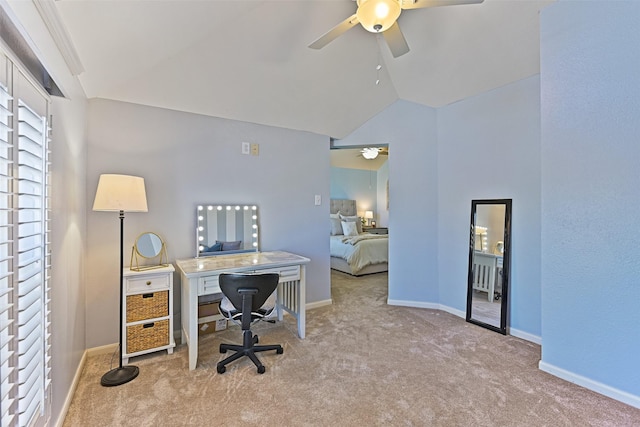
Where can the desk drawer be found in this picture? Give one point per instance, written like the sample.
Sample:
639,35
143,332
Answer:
208,285
147,284
287,274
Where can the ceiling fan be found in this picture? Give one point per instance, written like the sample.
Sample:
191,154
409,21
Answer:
371,153
380,16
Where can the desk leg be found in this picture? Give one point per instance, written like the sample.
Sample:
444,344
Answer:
189,317
302,295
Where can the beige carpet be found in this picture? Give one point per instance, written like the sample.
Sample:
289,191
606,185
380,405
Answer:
362,363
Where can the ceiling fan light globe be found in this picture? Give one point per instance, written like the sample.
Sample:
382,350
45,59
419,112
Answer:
377,16
369,153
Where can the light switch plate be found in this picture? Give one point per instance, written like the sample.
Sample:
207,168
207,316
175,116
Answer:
246,148
318,199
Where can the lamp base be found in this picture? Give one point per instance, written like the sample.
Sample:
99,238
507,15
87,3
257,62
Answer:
119,376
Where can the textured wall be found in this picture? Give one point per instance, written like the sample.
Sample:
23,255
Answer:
590,60
489,148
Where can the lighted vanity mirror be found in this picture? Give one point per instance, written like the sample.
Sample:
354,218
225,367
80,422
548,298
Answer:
226,228
489,260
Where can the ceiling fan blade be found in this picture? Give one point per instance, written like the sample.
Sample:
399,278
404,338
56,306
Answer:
395,40
419,4
335,32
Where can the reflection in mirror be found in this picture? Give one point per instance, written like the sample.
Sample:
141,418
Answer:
225,229
489,257
148,246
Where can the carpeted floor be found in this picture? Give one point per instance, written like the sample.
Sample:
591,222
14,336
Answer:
362,363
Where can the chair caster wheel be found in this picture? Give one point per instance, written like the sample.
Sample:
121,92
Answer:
261,369
279,350
221,369
222,349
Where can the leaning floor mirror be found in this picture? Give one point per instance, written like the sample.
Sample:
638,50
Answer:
489,260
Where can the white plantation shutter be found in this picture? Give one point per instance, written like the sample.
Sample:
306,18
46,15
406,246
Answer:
25,259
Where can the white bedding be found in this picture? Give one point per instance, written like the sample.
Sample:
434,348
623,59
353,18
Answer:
362,250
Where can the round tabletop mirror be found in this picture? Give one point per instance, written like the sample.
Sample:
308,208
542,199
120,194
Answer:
149,246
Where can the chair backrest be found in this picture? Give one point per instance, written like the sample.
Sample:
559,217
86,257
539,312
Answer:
265,284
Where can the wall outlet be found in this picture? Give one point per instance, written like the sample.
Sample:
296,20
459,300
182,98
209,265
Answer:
246,148
255,149
221,324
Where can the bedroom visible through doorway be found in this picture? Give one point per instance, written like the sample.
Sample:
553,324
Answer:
359,212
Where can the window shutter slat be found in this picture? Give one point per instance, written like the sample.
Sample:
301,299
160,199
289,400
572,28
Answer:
25,339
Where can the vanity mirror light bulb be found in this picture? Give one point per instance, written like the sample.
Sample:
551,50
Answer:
200,208
254,226
255,244
228,208
200,218
254,217
200,228
255,235
219,208
237,208
201,238
210,208
246,208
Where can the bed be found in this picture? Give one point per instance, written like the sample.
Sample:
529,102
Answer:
358,254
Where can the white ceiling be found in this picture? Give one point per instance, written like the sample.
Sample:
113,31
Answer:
249,60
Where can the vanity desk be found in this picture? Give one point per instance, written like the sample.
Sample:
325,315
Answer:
199,276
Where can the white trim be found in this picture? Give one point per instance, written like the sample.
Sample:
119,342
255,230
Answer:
72,390
453,311
49,13
95,351
403,303
598,387
536,339
312,305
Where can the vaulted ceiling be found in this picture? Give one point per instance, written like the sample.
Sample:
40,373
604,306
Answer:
250,61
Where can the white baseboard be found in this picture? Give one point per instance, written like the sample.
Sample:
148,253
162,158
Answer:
525,335
453,311
104,349
403,303
590,384
317,304
72,390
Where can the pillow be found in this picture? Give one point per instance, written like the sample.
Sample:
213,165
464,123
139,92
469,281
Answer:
335,215
355,219
213,248
230,246
349,228
335,226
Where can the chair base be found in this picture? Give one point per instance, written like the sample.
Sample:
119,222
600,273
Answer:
248,349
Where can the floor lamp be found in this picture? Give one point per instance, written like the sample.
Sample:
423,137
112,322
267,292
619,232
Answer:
120,193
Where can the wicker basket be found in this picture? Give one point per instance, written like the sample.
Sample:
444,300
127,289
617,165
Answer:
147,306
148,335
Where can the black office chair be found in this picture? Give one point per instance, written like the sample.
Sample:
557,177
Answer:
247,294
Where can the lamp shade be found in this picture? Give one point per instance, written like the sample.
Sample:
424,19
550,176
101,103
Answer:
120,193
368,214
377,16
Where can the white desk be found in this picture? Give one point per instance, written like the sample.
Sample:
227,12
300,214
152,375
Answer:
200,277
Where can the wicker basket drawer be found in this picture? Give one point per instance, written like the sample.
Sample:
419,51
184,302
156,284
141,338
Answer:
148,335
147,306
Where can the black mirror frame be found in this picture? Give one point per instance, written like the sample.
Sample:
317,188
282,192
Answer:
506,268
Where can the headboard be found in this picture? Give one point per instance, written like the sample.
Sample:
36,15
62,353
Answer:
345,206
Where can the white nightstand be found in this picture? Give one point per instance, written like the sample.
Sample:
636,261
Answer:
148,312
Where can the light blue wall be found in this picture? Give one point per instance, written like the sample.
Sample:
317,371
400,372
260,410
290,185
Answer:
188,159
590,92
382,211
356,184
410,131
489,148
